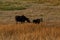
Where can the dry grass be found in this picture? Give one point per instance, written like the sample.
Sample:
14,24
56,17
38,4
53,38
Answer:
29,31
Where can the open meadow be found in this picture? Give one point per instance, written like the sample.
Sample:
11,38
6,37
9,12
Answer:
49,29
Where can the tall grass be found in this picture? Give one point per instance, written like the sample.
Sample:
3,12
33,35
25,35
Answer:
29,31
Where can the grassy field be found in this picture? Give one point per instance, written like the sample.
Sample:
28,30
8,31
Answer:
24,4
49,29
29,31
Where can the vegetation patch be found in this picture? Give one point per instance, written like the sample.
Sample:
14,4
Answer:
13,6
24,4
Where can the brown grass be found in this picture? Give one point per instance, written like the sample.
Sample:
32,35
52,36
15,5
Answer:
29,31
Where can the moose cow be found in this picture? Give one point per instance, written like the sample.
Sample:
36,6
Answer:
21,19
37,20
